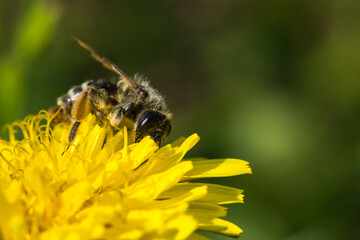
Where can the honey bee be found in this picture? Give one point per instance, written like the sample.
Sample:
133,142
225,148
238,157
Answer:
128,102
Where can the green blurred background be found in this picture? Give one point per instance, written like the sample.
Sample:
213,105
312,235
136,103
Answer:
276,83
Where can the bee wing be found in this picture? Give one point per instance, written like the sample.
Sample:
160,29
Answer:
107,63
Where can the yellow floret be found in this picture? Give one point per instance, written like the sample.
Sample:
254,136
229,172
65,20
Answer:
105,186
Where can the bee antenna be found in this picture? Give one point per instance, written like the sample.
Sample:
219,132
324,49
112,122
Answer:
107,63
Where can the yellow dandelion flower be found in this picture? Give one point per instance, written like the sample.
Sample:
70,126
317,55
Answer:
105,186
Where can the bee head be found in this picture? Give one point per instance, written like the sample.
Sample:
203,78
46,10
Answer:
154,124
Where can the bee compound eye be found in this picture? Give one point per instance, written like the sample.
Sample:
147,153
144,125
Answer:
154,124
150,119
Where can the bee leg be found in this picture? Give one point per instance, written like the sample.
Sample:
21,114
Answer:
100,99
81,108
122,111
116,116
101,104
72,135
73,131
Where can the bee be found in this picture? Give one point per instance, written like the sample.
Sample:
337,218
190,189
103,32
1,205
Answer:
128,102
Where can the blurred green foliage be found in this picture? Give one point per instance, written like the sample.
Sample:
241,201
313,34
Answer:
274,82
33,27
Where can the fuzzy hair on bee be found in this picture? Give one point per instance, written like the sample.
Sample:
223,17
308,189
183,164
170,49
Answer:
133,103
155,99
